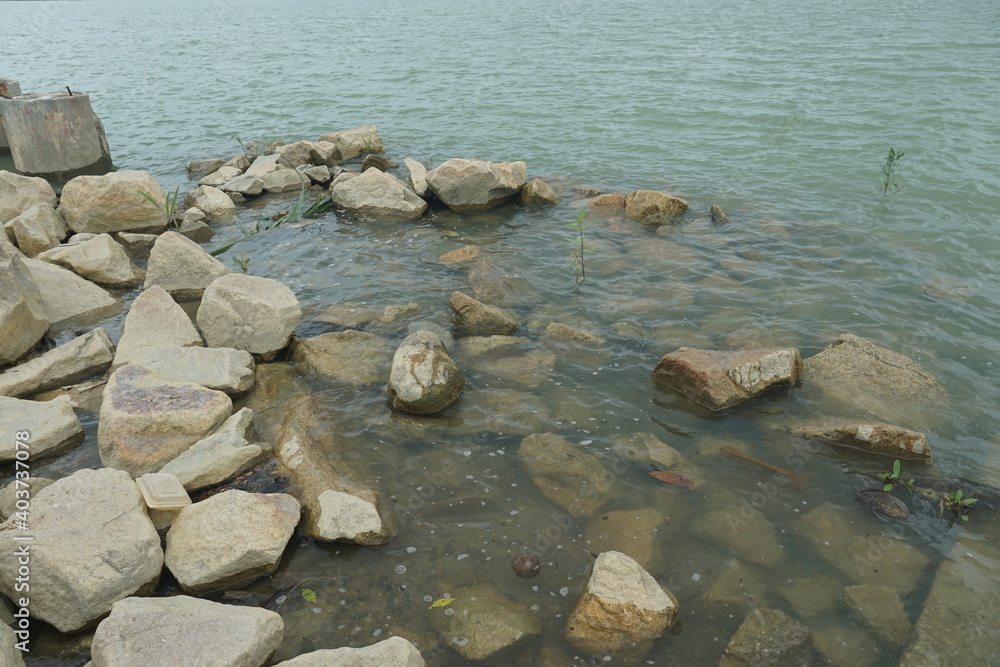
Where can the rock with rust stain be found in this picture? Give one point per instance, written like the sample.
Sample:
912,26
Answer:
424,380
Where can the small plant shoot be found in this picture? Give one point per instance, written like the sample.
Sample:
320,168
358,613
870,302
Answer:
578,260
891,161
955,502
168,206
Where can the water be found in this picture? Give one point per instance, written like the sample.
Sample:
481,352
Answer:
780,113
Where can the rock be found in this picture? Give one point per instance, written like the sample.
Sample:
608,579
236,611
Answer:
528,370
317,174
249,313
53,427
67,298
330,156
380,162
647,448
182,267
571,477
10,654
380,195
213,460
88,396
813,596
488,282
463,254
881,611
632,532
747,532
19,193
642,204
391,652
622,611
220,176
476,317
396,313
766,637
99,547
254,149
22,316
844,644
504,411
718,217
342,177
38,229
483,623
556,330
100,260
9,494
146,422
136,242
353,358
468,186
348,315
860,376
229,539
81,358
113,203
872,436
265,164
299,153
418,177
283,180
440,331
155,320
182,630
196,230
537,192
355,141
213,201
221,368
247,184
720,379
612,203
424,380
198,169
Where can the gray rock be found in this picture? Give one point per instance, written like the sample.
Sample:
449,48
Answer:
557,330
181,630
417,180
22,316
354,358
330,156
240,423
99,547
67,298
265,164
145,422
572,478
249,185
249,313
283,180
213,201
220,176
880,610
379,195
193,214
196,230
482,623
380,162
396,313
317,174
498,410
300,153
19,193
38,229
468,186
113,203
527,370
241,162
11,656
200,168
644,204
718,217
255,149
53,426
488,282
537,192
182,267
766,637
872,436
136,242
476,317
154,320
229,539
81,358
391,652
355,141
9,493
348,315
424,380
99,259
213,460
221,368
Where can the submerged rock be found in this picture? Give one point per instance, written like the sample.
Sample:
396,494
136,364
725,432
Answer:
632,532
718,217
488,282
642,205
100,259
469,186
249,313
113,203
569,476
872,436
537,192
22,316
880,610
476,317
746,531
463,254
352,358
53,426
766,637
379,195
19,193
154,320
424,380
391,652
349,315
182,267
81,358
482,623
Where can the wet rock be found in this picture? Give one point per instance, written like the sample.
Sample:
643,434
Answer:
198,169
424,380
10,655
462,254
720,379
643,204
488,282
220,176
632,532
872,436
474,346
609,204
249,313
113,203
354,358
396,313
379,162
766,637
622,611
213,460
476,317
562,331
53,426
647,448
379,195
8,494
248,185
182,267
22,315
154,320
196,230
182,630
19,193
214,202
844,644
737,585
299,153
221,368
881,611
483,623
38,229
145,421
100,259
469,186
229,539
417,179
67,298
83,357
348,315
316,173
392,652
813,596
355,141
718,217
504,411
99,547
537,192
569,476
527,371
87,395
744,530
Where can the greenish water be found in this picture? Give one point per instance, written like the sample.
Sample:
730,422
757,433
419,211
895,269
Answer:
780,113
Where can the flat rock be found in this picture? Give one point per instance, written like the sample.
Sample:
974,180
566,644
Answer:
569,476
353,358
469,186
81,358
747,532
213,459
379,195
462,254
349,315
248,185
99,547
53,426
476,317
881,611
424,380
355,141
154,320
417,179
871,436
221,368
214,202
249,313
38,229
88,396
643,204
527,370
483,623
100,259
391,652
182,267
220,176
537,192
720,379
198,169
67,298
23,321
146,422
181,630
766,637
136,242
113,203
19,193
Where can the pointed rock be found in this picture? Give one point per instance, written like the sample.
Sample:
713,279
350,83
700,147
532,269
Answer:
182,267
155,320
38,229
19,193
418,177
81,358
249,313
537,192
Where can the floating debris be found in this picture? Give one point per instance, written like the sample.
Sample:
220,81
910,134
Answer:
673,478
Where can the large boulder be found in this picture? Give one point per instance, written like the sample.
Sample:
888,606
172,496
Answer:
229,539
720,379
181,630
355,141
79,359
622,611
182,267
481,623
67,298
19,193
221,368
214,202
468,186
22,316
424,380
391,652
100,259
154,320
146,421
568,476
249,313
766,637
38,229
474,316
52,427
353,358
870,436
379,195
652,207
93,545
113,203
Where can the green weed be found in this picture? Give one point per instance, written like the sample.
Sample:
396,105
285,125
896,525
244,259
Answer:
578,259
891,161
168,206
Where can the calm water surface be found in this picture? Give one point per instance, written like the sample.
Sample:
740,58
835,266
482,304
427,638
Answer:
779,112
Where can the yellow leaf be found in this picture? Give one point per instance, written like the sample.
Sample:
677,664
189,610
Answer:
442,602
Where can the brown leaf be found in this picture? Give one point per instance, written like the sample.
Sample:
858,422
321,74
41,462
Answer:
672,478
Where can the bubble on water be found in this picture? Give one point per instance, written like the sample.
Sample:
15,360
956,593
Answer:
695,577
410,550
428,598
462,556
564,591
459,641
449,612
400,569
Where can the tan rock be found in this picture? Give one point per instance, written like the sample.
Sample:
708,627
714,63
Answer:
424,380
100,259
468,186
154,320
379,195
81,358
38,229
462,254
19,193
476,317
537,192
68,299
642,204
182,267
872,436
249,313
482,623
113,203
23,321
355,141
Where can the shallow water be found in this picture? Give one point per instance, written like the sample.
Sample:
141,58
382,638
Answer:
781,114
